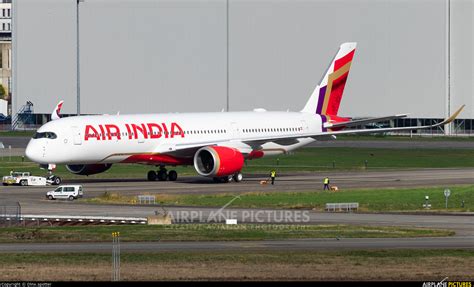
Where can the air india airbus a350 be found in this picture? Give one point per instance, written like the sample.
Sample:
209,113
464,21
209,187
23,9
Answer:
216,144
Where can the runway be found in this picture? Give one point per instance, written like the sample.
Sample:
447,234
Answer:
276,245
462,224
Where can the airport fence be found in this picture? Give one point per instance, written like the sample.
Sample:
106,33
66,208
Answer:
146,199
345,206
10,214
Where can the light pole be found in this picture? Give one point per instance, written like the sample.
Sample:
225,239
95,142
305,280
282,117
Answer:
227,55
78,74
448,129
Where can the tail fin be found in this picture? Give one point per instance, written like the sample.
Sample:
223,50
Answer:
55,114
326,97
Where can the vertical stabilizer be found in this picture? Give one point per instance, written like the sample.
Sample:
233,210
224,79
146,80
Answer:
326,97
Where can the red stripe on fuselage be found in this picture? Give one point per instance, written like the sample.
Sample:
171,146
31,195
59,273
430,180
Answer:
157,159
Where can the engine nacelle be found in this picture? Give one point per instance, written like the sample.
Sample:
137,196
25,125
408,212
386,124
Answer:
217,161
88,169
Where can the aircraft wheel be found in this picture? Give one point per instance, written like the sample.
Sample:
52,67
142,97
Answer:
162,175
151,176
238,177
172,175
57,180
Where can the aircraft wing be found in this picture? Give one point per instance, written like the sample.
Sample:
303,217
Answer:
362,121
325,135
188,150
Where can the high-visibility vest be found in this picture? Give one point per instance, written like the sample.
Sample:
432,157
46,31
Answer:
326,180
273,174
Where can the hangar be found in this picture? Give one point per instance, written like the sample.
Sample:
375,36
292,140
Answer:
150,56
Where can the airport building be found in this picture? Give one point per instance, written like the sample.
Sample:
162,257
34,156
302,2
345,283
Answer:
155,56
5,56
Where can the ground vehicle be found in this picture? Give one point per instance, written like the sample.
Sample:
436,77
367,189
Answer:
5,119
25,178
70,192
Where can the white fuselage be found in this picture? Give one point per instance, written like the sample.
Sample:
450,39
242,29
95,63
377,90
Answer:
115,138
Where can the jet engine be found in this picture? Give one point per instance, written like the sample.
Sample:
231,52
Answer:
88,169
218,161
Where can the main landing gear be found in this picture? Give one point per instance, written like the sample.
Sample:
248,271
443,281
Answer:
162,174
237,177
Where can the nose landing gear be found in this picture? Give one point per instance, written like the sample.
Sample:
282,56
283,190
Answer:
53,179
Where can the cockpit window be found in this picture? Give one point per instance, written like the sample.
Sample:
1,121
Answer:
47,135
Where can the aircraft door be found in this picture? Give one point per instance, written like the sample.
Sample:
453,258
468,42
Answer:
76,136
235,130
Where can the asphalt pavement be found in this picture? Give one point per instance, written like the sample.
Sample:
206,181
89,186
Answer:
276,245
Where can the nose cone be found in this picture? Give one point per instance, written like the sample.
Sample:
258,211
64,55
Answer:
33,151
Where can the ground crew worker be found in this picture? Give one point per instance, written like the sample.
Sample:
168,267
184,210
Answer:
326,183
273,175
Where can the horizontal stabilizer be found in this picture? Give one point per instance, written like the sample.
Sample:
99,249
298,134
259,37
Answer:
331,134
362,121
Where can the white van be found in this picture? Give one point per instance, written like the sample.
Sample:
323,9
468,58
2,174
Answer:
70,192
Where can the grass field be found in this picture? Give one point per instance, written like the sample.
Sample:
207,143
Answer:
7,133
372,200
207,232
419,265
307,159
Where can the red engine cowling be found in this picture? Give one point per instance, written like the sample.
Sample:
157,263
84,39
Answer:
88,169
217,161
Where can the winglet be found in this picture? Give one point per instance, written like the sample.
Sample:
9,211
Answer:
453,116
56,111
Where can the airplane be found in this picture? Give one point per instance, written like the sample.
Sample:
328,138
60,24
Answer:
216,144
